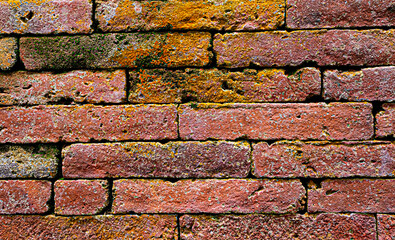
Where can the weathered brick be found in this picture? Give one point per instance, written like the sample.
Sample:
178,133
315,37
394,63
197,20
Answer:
323,47
24,196
75,86
270,85
127,50
334,13
335,121
121,15
174,160
45,16
386,226
369,84
80,197
20,161
89,227
353,195
86,123
8,48
385,121
321,226
323,159
209,196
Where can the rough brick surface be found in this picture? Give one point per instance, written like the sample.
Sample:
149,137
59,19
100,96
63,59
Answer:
174,159
369,84
45,16
8,48
207,196
271,85
80,197
116,50
89,227
334,13
121,15
24,196
86,123
335,121
323,159
76,86
21,161
353,195
385,121
386,226
322,226
281,48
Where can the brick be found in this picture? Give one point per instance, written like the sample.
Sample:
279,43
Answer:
385,121
76,86
321,47
45,16
334,121
369,84
322,159
207,196
146,159
80,197
353,195
122,15
386,226
127,50
89,227
321,226
333,13
21,161
8,48
24,196
269,85
86,123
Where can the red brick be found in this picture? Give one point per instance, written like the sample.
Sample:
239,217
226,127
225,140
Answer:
121,15
386,226
45,16
208,196
8,49
323,159
385,121
323,47
335,121
89,227
24,161
123,50
268,85
24,196
80,197
86,123
369,84
334,13
76,86
174,160
353,195
321,226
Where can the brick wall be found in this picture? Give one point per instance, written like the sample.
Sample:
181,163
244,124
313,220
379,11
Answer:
179,119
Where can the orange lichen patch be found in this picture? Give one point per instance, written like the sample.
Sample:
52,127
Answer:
167,50
120,15
8,48
100,227
165,86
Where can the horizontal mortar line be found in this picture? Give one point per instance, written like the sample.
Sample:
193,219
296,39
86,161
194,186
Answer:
186,103
214,31
177,179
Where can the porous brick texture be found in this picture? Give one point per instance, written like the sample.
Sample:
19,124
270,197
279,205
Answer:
180,119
